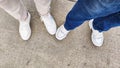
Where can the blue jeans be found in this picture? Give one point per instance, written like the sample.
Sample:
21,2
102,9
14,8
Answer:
106,14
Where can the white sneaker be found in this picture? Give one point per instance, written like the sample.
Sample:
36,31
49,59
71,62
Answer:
61,32
97,37
49,23
24,28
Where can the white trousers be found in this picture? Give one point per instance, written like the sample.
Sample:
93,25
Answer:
17,9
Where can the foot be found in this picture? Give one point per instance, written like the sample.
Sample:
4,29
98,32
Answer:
97,37
24,28
61,33
49,23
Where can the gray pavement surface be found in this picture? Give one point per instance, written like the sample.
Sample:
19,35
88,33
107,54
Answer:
45,51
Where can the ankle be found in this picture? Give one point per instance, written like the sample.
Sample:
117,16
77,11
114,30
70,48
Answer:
46,14
24,17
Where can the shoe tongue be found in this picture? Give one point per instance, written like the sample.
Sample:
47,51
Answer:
98,35
23,23
45,17
64,30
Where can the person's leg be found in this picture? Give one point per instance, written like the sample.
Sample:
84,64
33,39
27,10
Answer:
86,10
43,7
16,9
101,24
105,23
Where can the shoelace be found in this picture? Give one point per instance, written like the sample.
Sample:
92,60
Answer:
63,32
98,35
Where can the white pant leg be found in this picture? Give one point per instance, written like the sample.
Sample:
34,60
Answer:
43,6
15,8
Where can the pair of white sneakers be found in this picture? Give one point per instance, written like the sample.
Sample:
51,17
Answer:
25,30
96,36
